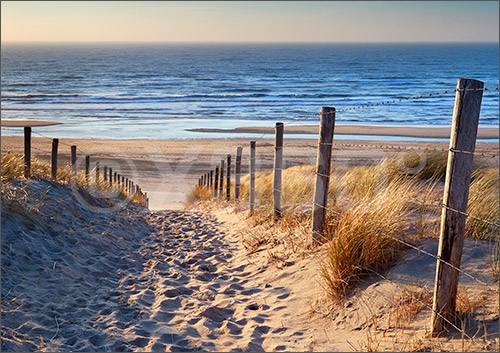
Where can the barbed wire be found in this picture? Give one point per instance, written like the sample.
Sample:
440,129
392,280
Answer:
413,148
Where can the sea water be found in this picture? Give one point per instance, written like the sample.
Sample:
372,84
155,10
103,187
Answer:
160,91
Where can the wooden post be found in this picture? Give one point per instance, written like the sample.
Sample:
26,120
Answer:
221,181
252,176
456,192
211,180
115,177
87,169
123,183
27,152
278,165
216,182
228,178
73,162
118,179
96,172
105,173
55,147
237,172
110,176
325,141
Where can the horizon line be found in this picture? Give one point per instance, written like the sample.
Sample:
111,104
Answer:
248,42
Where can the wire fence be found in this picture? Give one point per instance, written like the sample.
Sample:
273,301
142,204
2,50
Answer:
121,180
436,205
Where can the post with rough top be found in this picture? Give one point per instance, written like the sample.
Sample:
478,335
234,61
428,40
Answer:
456,192
252,176
228,178
211,180
55,146
221,181
96,172
237,172
323,163
110,176
27,152
73,163
278,166
216,182
87,169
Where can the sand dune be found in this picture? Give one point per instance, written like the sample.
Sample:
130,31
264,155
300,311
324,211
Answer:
74,279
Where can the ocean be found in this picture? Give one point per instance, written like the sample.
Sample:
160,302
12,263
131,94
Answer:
158,91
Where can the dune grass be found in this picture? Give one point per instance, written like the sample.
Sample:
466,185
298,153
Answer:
372,210
13,168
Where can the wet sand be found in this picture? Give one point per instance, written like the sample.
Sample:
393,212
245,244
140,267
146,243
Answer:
406,131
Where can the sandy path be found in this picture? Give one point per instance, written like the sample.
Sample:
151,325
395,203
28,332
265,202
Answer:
135,281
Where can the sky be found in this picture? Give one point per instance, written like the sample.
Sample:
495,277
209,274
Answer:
251,21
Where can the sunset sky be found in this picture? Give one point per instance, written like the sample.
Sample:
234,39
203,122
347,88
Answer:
123,21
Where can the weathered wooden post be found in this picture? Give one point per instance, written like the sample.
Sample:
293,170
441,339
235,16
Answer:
96,172
252,176
110,176
73,162
55,147
123,183
105,173
115,177
456,192
27,152
221,181
228,178
211,180
87,169
323,163
278,166
216,182
237,173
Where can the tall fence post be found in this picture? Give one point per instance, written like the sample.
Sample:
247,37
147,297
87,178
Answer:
252,176
110,176
221,179
96,172
87,169
456,192
278,166
27,152
115,177
105,173
211,180
237,172
323,163
228,178
216,182
55,147
73,162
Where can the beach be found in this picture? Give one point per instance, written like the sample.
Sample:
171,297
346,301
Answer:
168,169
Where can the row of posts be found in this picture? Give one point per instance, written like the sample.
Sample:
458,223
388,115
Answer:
109,175
214,179
456,190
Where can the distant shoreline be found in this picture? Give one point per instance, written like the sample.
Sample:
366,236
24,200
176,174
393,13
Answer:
406,131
